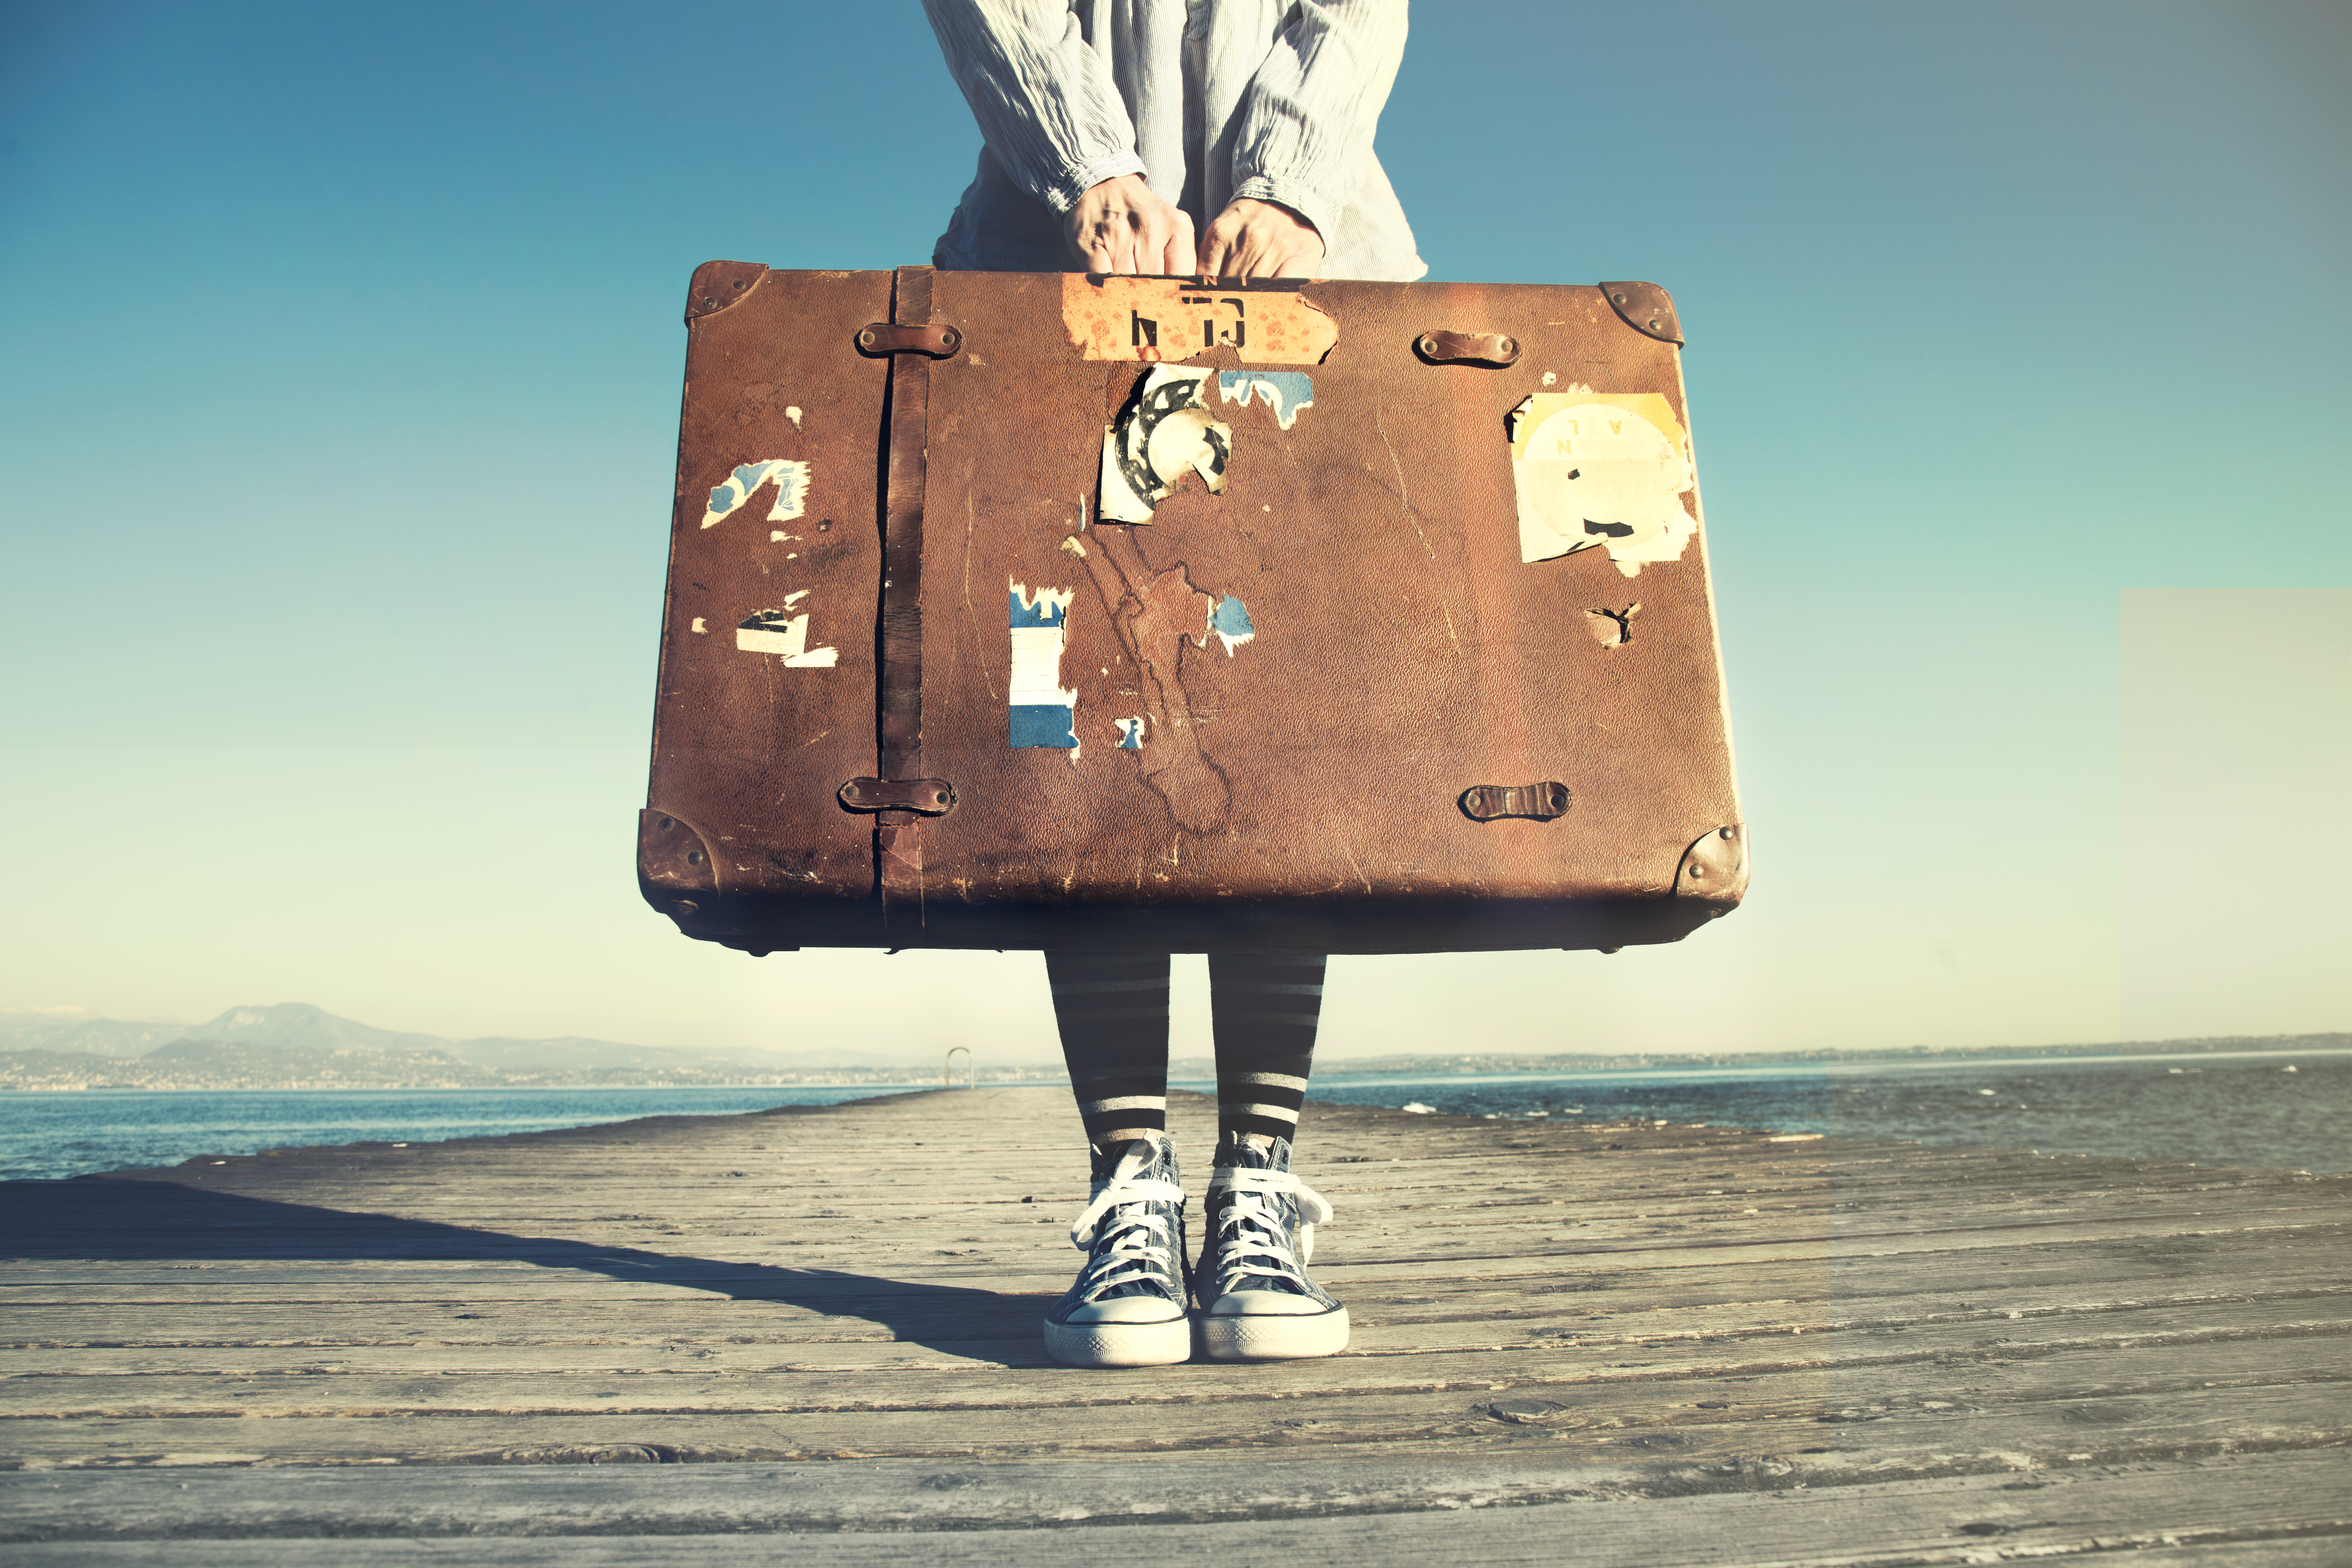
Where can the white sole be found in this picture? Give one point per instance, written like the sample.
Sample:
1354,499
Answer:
1119,1344
1267,1336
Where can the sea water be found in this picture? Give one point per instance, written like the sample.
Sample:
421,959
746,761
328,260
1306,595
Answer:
54,1134
2261,1110
2292,1111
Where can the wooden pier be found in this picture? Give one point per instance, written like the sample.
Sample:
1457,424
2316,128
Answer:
810,1334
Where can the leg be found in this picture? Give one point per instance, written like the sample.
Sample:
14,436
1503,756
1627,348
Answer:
1126,1307
1255,1299
1112,1009
1265,1008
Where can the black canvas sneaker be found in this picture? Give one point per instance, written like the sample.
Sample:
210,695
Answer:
1256,1303
1126,1308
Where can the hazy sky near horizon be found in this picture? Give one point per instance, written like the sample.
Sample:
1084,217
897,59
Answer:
339,375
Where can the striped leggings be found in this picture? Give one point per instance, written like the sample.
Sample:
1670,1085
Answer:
1112,1008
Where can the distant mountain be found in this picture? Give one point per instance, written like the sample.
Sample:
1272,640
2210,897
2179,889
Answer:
298,1025
90,1036
220,1065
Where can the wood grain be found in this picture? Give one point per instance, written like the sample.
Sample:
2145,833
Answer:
1702,1343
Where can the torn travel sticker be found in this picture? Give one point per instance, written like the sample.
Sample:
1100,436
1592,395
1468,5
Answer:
1229,624
784,634
1284,391
1041,705
1172,319
791,491
1601,470
1165,431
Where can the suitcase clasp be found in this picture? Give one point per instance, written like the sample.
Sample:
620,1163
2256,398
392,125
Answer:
880,338
928,797
1541,802
1467,348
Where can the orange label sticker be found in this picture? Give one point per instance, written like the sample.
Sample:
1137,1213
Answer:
1147,318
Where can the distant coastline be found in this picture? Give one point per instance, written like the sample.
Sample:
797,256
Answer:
1661,1061
295,1046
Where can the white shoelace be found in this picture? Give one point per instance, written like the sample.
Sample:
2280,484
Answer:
1130,1245
1255,1225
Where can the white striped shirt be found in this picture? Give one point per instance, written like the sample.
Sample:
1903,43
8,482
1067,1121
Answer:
1210,100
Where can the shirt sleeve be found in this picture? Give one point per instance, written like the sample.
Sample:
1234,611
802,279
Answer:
1307,123
1046,101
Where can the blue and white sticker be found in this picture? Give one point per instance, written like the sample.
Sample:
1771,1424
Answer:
1042,707
1229,622
791,479
1284,391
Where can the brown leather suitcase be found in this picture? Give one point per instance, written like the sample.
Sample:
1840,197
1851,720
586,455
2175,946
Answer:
1021,610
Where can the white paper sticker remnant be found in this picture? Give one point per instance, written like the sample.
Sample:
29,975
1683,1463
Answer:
785,635
1602,470
1166,432
791,491
1042,707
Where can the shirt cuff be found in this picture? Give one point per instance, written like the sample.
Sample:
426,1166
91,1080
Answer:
1064,192
1312,206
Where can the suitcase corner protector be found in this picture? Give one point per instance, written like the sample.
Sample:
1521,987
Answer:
721,285
676,870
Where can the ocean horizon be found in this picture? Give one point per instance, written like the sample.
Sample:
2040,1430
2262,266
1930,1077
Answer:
2265,1109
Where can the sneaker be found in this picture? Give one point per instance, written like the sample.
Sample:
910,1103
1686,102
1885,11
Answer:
1126,1308
1257,1301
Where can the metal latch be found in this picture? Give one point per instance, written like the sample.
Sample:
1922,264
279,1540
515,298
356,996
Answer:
1467,348
929,797
1542,801
881,338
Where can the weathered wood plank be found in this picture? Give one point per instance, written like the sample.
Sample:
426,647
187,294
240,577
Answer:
2272,1514
478,1334
1381,1356
2081,1407
1830,1313
2034,1510
2316,1252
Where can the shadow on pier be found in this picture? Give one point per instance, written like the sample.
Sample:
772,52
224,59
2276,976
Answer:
118,1220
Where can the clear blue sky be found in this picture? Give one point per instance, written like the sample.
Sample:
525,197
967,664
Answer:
338,365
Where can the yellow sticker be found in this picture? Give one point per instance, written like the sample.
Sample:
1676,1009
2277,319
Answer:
1147,318
1601,470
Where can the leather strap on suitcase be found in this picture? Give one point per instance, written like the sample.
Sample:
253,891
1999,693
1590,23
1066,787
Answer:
899,685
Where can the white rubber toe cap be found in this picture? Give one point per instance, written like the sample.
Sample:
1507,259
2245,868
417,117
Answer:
1273,1336
1266,1304
1128,1309
1120,1345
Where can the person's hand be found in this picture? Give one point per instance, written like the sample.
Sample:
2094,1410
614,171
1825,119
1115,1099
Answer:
1119,226
1261,239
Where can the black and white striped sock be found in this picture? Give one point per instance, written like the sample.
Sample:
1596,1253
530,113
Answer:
1264,1008
1112,1009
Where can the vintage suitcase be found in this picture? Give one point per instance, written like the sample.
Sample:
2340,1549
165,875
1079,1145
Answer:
1013,610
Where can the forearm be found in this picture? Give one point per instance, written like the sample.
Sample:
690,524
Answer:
1045,104
1308,122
